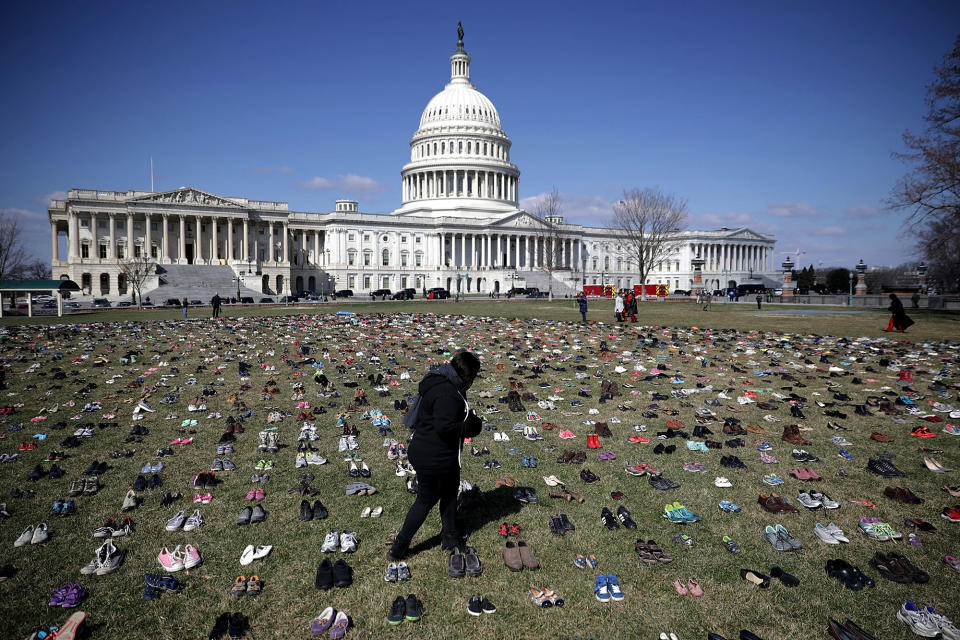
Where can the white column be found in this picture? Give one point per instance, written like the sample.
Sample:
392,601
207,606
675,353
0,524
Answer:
516,251
54,246
183,240
112,250
214,242
129,235
197,241
147,235
230,239
93,235
244,245
271,249
73,239
165,238
286,235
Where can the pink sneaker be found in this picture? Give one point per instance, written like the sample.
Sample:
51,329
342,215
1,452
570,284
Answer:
207,498
186,441
191,557
261,494
953,562
176,441
251,495
170,561
197,498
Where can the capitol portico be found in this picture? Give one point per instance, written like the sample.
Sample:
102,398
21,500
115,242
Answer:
459,226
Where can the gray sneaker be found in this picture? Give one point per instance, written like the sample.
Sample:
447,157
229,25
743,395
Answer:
227,464
111,559
194,521
91,567
391,574
217,465
176,521
40,534
403,571
24,538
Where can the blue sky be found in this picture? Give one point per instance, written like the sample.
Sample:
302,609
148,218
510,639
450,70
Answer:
777,116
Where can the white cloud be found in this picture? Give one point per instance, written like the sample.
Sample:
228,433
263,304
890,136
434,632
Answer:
350,183
827,231
45,199
285,170
24,215
792,210
864,211
591,209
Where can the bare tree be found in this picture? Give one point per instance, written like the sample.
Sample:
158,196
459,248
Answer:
137,270
645,223
930,193
13,255
549,209
37,270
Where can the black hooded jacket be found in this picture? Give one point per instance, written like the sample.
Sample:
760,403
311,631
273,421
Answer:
444,420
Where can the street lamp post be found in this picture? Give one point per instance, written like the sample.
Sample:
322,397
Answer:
239,279
850,296
584,272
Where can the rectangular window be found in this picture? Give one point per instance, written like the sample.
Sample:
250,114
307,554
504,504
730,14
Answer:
121,251
366,282
366,259
403,238
418,260
351,282
351,237
154,226
418,240
102,224
386,282
154,251
366,237
102,251
386,259
84,223
84,250
351,259
403,282
403,259
137,250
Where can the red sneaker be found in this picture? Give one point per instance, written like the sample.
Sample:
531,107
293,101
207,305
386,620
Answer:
951,513
503,530
514,529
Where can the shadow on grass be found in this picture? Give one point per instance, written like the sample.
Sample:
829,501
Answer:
498,506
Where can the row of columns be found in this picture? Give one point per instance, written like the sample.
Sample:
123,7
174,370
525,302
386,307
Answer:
734,257
453,183
508,250
208,244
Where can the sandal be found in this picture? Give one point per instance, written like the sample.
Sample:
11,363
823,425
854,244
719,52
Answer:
540,598
658,553
644,553
551,595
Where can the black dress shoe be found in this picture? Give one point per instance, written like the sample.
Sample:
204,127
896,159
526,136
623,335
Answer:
55,472
140,483
220,626
101,469
91,469
787,579
258,514
858,632
839,631
306,513
245,515
155,482
324,578
36,474
319,511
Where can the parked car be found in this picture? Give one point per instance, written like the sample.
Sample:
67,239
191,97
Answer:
124,303
288,299
147,304
517,291
381,293
530,290
71,305
344,293
44,298
196,303
681,292
173,302
101,303
405,294
438,293
246,300
538,294
49,304
266,300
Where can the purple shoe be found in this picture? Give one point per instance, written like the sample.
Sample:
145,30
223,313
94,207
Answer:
323,621
75,593
58,596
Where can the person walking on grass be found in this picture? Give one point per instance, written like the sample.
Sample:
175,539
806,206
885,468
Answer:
215,303
440,419
759,300
186,305
899,319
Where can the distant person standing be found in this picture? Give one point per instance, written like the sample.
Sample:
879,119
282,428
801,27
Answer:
915,299
215,302
186,305
582,304
759,300
618,307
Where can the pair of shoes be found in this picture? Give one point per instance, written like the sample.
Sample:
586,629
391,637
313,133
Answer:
250,587
409,608
927,622
251,553
316,512
478,605
520,556
607,588
106,559
337,541
690,588
234,625
177,560
337,574
336,622
397,572
464,562
252,516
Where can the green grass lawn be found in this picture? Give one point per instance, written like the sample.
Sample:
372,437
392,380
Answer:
289,600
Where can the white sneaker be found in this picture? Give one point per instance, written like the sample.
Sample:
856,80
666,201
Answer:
262,551
824,534
837,533
947,628
194,521
176,521
24,538
247,556
348,542
918,620
331,542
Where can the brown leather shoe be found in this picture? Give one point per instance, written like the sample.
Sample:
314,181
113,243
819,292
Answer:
505,481
574,495
769,503
527,557
881,437
511,557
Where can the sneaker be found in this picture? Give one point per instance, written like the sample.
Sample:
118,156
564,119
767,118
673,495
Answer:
600,589
194,521
331,542
918,620
403,572
176,521
947,628
613,585
170,561
475,606
398,611
348,542
414,608
391,574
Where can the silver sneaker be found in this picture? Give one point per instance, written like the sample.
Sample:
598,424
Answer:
194,521
176,521
227,464
331,542
391,574
40,534
110,560
24,538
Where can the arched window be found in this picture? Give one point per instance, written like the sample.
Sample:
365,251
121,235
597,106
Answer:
460,147
385,258
606,263
468,147
443,147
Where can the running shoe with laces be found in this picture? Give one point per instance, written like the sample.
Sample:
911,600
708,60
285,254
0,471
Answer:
918,620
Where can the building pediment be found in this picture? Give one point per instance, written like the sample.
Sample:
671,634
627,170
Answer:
745,234
520,219
190,196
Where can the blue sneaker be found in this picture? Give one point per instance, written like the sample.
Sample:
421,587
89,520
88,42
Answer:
600,589
843,453
524,462
531,461
613,586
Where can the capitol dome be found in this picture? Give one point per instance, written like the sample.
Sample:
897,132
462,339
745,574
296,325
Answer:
459,155
459,103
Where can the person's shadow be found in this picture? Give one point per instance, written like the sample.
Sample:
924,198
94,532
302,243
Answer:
497,505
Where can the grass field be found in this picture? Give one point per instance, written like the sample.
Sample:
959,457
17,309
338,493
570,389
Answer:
738,335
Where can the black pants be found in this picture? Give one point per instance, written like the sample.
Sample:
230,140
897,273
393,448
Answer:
434,487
